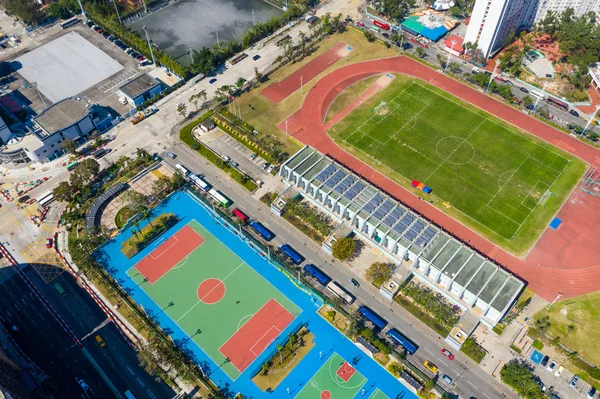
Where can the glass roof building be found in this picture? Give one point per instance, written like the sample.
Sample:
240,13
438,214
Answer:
436,258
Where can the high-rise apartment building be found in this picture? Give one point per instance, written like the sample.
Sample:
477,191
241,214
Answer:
494,20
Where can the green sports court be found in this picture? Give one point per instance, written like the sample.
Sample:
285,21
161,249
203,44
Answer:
219,301
336,379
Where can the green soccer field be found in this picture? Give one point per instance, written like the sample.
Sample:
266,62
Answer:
211,325
504,184
327,383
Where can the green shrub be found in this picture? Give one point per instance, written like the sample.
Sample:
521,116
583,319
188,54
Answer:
537,344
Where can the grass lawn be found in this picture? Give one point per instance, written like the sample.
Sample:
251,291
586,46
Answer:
265,116
339,320
348,96
430,321
155,228
122,216
503,184
584,313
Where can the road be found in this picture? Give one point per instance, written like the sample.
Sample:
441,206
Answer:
469,379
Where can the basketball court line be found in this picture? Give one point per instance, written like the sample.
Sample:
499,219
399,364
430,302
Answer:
260,339
151,254
199,302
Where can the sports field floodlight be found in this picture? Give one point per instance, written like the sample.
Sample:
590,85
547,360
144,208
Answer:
589,122
149,45
117,11
492,77
449,54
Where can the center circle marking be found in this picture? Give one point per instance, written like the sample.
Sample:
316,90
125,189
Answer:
448,147
211,291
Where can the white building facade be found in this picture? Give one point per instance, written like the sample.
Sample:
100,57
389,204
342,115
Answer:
492,21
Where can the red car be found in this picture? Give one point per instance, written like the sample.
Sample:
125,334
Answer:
447,353
358,23
48,242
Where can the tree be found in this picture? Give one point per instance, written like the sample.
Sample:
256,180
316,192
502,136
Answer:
570,329
26,10
63,192
543,323
303,44
161,186
182,110
240,82
379,272
442,60
69,146
84,172
204,60
135,200
369,36
519,375
527,100
420,52
257,75
456,12
343,248
58,10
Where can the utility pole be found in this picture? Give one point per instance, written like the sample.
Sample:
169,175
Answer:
217,33
117,10
589,122
34,84
555,299
149,45
145,8
192,55
492,77
82,10
540,97
253,20
448,61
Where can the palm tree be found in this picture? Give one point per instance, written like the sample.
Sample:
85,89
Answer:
570,329
279,349
146,215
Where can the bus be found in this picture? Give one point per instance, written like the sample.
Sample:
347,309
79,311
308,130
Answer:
72,165
240,215
557,103
382,25
184,171
198,181
262,230
70,22
373,317
129,395
340,292
317,273
100,153
376,29
220,197
537,94
292,254
45,198
400,339
238,58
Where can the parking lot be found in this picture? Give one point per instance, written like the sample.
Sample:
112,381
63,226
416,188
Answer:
560,379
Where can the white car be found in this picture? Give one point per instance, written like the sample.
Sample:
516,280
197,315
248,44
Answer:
551,366
83,385
270,168
559,371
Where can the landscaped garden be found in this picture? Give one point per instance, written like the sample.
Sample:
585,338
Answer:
143,237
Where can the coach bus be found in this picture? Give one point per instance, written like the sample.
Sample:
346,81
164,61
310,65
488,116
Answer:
373,317
220,197
292,254
45,198
238,58
72,165
375,29
262,230
317,274
240,215
382,25
537,94
340,292
184,171
100,153
557,103
400,339
70,22
198,181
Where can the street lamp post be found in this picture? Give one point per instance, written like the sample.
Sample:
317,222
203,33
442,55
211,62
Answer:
149,45
145,8
589,122
192,55
540,97
448,61
492,77
253,20
301,84
217,33
82,10
117,10
555,299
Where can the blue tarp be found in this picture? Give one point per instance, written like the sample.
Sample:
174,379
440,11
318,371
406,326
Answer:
434,34
555,223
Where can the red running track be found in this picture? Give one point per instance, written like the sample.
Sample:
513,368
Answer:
544,274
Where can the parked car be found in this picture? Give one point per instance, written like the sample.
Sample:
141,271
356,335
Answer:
430,366
591,393
253,156
270,169
574,113
213,80
574,381
23,199
447,353
266,165
529,106
105,34
394,31
551,366
171,155
446,379
386,35
354,283
358,23
48,242
544,361
89,23
83,385
256,57
559,371
348,19
524,90
234,164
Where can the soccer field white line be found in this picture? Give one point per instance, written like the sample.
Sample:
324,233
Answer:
465,140
199,302
151,254
262,336
531,191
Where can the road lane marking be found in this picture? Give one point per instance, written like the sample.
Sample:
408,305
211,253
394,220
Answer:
469,382
428,351
140,382
130,370
486,395
444,363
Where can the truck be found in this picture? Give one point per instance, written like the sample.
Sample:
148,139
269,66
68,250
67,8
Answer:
143,115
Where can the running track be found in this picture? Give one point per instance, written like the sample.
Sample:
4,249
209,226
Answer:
547,280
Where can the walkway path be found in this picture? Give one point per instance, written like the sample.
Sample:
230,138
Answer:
546,279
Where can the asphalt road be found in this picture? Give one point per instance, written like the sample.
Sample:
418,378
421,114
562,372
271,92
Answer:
469,379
